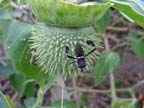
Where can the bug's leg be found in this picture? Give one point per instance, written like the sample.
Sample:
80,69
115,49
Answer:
67,53
90,52
71,57
82,70
81,79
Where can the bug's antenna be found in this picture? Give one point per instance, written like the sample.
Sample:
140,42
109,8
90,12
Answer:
90,43
67,52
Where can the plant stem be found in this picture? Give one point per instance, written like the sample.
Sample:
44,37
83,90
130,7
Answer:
75,93
117,29
62,98
112,80
89,90
39,98
113,91
3,58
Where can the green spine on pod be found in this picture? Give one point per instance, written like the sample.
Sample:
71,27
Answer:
50,42
65,14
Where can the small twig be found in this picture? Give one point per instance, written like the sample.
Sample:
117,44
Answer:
2,61
120,45
117,20
89,90
117,29
14,96
75,93
14,5
3,58
114,38
125,99
79,89
138,84
62,98
112,80
132,93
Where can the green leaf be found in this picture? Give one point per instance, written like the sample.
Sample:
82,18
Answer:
67,104
19,82
119,83
29,102
29,89
133,9
9,15
5,71
43,88
15,38
11,103
138,47
56,12
103,22
0,39
21,1
124,104
3,101
0,34
84,99
106,63
4,4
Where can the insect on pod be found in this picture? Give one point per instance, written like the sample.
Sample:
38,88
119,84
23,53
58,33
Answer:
80,56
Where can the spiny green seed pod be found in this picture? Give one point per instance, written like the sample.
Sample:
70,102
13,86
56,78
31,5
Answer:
65,14
50,43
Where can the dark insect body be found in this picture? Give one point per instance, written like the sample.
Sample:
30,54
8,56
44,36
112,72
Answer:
80,56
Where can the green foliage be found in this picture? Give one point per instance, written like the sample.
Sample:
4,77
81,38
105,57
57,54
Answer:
105,65
21,1
4,4
5,71
102,23
69,15
29,89
3,101
9,15
138,47
19,82
29,102
0,34
84,99
0,39
10,102
15,38
119,83
131,9
49,43
67,104
124,104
